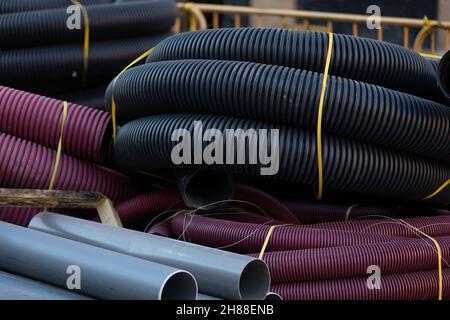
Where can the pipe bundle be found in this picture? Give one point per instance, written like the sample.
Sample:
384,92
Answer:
378,138
30,131
44,47
332,260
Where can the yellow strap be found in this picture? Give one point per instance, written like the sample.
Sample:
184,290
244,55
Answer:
268,235
59,150
430,55
427,22
438,190
86,40
320,116
349,210
439,253
113,102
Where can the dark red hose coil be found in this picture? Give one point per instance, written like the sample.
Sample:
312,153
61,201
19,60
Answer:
249,238
87,132
433,226
24,164
352,261
402,286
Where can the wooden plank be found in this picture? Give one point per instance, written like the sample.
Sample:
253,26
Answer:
53,199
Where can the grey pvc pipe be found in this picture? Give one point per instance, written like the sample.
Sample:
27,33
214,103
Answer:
218,273
205,297
205,189
104,274
14,287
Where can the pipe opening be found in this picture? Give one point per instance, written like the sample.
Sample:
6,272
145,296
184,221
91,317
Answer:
273,296
255,280
180,285
204,188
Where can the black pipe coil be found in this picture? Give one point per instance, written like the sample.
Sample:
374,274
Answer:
348,165
108,21
11,6
63,65
285,96
357,58
444,76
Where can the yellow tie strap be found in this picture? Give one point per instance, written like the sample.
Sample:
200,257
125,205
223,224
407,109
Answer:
432,56
86,40
319,193
438,190
439,253
268,236
59,150
349,210
113,102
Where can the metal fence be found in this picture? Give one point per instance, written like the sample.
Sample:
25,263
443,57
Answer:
194,16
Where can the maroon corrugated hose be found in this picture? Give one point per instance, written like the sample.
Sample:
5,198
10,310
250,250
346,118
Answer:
402,286
352,261
24,164
87,132
433,226
249,238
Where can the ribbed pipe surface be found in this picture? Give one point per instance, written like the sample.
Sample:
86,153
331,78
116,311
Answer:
349,165
432,226
249,238
87,132
285,96
404,286
444,76
315,212
24,164
353,261
62,65
107,21
10,6
357,58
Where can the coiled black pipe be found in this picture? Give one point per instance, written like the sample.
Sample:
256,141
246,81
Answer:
10,6
348,165
63,64
44,27
357,58
285,96
444,76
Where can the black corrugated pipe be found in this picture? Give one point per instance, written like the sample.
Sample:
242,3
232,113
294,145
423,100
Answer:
444,75
285,96
205,189
122,20
63,65
357,58
349,165
10,6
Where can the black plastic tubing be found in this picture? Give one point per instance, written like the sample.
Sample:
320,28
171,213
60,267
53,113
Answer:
10,6
64,63
348,165
107,21
444,76
285,96
357,58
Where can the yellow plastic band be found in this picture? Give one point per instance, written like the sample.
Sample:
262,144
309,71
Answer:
86,40
430,23
59,150
432,56
319,193
438,190
349,210
267,239
439,253
113,102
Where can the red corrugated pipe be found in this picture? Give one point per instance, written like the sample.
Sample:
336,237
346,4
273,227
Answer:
87,132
